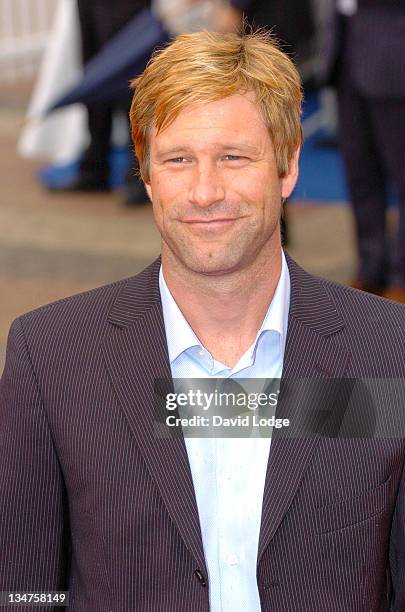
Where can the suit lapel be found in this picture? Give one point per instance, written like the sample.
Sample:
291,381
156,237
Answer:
310,354
136,355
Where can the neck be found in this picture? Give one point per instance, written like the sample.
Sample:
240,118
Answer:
225,311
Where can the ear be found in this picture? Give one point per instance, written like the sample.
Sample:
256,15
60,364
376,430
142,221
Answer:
148,190
289,181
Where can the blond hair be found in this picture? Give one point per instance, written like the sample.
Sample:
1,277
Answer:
208,66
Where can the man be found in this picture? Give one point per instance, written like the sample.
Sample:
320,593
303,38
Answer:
364,59
93,497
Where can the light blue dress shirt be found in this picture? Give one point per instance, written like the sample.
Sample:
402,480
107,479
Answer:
229,473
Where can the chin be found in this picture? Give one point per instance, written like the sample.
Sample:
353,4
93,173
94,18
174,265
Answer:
213,259
212,266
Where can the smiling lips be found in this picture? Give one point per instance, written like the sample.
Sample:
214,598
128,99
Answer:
210,226
210,221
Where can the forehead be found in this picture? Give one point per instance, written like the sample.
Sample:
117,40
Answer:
237,117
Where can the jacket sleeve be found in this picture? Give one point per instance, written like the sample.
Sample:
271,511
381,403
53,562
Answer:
34,542
397,551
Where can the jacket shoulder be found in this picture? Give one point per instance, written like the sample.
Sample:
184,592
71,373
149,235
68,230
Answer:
94,303
85,315
374,331
364,309
76,306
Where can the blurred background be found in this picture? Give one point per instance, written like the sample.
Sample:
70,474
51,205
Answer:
72,213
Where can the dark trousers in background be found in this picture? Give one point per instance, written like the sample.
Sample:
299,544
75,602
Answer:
100,21
373,144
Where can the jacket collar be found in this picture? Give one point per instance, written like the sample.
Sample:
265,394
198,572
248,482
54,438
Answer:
136,356
310,302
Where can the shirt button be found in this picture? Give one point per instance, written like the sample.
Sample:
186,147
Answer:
201,353
233,560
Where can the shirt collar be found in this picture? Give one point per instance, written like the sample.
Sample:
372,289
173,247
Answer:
181,337
276,318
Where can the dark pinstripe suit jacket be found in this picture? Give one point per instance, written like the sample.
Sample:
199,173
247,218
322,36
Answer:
373,41
90,500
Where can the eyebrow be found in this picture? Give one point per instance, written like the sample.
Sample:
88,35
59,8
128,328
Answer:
242,147
173,151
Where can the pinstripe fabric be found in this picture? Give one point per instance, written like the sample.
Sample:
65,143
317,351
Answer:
92,501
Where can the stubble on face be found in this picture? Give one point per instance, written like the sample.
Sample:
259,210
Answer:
204,251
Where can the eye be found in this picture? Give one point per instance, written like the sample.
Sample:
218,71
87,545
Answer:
236,158
178,160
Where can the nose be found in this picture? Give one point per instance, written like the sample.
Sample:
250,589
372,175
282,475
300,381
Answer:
207,186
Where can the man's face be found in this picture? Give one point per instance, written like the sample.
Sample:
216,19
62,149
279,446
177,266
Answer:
215,188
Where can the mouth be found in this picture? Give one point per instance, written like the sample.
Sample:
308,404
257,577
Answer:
211,223
210,227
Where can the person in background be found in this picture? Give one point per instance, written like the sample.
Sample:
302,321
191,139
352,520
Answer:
365,59
100,21
192,15
291,22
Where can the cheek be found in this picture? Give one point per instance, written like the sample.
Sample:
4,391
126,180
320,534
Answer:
259,195
165,198
255,184
167,188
